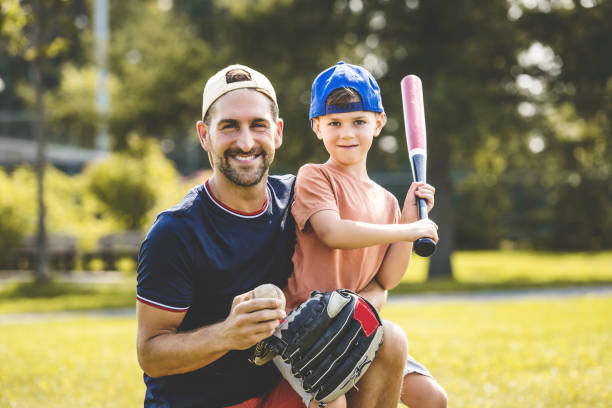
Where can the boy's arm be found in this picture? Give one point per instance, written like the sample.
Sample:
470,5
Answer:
398,254
337,233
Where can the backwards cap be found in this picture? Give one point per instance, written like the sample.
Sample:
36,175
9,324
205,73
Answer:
217,86
345,75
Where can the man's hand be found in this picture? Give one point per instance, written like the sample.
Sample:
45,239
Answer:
162,350
421,190
251,320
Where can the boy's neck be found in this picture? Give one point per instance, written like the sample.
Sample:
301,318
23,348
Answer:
359,170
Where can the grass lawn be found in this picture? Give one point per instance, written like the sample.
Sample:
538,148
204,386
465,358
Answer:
60,296
520,266
82,362
519,353
474,270
513,353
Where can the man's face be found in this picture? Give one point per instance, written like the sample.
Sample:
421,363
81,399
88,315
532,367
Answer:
242,136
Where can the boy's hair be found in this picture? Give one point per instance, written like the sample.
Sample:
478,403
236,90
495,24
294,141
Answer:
343,97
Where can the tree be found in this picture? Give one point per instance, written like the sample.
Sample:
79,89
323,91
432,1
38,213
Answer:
464,53
38,31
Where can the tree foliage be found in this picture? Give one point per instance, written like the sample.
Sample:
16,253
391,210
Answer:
518,98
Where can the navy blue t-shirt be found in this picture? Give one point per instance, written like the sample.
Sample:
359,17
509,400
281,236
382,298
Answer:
197,257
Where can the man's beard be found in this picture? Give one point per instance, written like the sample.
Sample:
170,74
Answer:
243,177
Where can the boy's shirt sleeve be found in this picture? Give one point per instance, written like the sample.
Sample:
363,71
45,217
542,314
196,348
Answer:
313,193
398,211
165,269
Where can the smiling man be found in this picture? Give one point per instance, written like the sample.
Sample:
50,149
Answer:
197,319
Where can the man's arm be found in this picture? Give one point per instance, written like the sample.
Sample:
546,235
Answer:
164,351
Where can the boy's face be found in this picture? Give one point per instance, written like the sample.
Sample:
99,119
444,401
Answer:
348,136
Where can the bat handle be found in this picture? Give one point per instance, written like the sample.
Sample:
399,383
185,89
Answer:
424,246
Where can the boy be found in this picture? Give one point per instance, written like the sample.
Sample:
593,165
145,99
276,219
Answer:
349,229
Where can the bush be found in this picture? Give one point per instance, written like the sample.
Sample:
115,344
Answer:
128,184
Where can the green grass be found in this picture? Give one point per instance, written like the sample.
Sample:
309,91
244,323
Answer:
474,271
528,266
70,363
56,296
536,353
492,270
527,353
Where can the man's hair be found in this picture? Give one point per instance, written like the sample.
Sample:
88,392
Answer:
343,97
237,75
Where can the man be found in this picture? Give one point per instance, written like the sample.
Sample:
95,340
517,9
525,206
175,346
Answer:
196,316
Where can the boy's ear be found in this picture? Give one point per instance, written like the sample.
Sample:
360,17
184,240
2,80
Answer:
316,127
381,121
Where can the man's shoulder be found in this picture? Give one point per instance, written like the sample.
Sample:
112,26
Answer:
191,201
282,185
282,180
178,216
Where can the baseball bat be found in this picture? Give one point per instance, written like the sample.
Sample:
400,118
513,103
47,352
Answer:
416,139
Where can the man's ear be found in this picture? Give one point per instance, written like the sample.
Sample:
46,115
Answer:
203,135
381,121
278,136
316,127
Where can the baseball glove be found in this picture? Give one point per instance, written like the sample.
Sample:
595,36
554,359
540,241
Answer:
324,346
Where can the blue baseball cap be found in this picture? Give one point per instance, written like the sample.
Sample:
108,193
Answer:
345,75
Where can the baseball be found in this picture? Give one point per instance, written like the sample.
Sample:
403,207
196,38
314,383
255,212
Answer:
268,290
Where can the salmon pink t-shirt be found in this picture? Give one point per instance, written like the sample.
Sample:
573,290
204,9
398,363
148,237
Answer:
316,267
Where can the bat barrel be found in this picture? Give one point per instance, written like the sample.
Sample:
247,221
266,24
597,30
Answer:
416,139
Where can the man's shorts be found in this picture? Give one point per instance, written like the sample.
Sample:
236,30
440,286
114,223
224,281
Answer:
281,396
413,366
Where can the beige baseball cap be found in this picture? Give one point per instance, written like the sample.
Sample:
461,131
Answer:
218,86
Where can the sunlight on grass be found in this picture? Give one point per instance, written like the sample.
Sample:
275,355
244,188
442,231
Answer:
500,266
528,353
537,353
70,363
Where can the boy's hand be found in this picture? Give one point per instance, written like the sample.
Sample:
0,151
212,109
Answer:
423,229
418,189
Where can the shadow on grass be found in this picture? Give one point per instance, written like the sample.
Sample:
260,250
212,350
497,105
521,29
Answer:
452,286
50,289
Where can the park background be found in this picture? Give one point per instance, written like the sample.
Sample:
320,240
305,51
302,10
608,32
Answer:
97,135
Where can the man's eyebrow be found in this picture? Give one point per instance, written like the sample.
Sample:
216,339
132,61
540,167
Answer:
260,120
227,122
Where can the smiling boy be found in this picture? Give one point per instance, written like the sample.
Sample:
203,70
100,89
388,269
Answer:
349,229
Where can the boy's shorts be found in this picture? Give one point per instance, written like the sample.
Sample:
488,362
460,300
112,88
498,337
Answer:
413,366
281,396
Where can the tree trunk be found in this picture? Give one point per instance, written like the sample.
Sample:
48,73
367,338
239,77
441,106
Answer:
440,263
41,270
